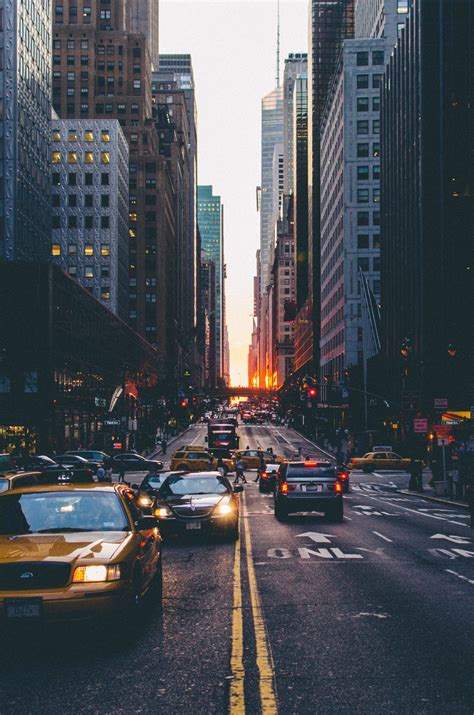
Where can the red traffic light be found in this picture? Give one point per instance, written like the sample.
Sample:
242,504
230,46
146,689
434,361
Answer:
184,403
312,392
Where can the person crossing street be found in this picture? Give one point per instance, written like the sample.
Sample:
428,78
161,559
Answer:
239,471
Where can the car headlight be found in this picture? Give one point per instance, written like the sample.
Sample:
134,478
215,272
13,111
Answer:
163,512
144,501
224,507
96,574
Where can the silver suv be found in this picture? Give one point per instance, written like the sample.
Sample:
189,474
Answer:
308,486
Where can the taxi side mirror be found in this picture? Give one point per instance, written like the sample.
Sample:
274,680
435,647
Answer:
146,522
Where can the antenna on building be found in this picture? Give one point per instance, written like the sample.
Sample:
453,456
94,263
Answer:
278,45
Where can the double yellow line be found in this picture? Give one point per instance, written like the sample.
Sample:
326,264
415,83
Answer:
265,667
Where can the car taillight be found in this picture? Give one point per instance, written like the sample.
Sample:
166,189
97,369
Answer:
343,475
353,461
284,488
338,487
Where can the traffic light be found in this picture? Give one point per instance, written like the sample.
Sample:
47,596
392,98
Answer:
184,404
312,392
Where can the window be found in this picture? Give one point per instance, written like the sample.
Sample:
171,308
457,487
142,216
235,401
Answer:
376,103
88,179
105,157
88,272
105,250
363,264
376,80
55,222
56,201
376,126
88,201
72,200
104,179
376,171
137,86
72,136
362,196
72,221
72,179
55,179
376,196
89,157
134,108
376,240
105,201
105,135
362,173
362,59
72,249
105,293
88,136
362,104
362,218
362,81
88,222
105,222
375,149
378,57
56,249
72,270
56,137
88,249
362,151
56,157
376,218
376,264
362,241
362,126
72,157
121,108
376,287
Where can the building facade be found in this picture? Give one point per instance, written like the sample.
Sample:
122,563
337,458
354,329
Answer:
89,207
427,209
211,227
283,298
143,16
296,65
25,89
350,205
380,18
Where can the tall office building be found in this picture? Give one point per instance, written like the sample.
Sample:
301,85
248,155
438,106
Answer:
380,18
300,186
25,93
296,65
211,227
272,134
427,177
90,207
350,206
143,16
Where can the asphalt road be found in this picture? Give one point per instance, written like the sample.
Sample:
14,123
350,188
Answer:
374,615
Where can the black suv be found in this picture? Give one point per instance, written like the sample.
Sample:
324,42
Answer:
308,486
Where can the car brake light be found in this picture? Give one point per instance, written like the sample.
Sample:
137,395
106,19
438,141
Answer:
310,464
343,475
338,487
284,488
353,461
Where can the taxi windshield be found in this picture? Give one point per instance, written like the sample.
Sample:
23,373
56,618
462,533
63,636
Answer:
180,486
56,512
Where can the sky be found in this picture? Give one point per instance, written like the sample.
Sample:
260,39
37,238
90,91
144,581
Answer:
233,48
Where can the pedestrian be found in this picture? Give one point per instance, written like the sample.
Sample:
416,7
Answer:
261,467
220,465
413,471
100,474
164,445
239,471
121,473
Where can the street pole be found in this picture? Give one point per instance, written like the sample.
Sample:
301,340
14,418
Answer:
445,476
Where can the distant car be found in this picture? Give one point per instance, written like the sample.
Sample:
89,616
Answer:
93,456
344,477
266,483
16,480
131,462
252,457
37,462
380,460
72,460
308,486
198,502
82,551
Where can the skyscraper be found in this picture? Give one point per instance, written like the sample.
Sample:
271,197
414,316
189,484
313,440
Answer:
25,93
211,227
296,65
143,16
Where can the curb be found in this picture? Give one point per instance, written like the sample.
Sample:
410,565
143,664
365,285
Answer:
431,498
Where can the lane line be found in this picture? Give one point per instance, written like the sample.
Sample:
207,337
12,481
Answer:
385,538
459,575
268,699
237,692
415,511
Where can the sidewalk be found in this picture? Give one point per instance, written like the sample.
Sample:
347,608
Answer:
429,493
159,452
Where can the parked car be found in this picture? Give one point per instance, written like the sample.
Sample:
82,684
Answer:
93,456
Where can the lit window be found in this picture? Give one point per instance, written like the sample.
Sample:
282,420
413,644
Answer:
72,136
88,249
105,294
88,136
72,157
56,249
133,217
89,157
56,157
72,270
56,137
105,157
105,136
88,272
105,250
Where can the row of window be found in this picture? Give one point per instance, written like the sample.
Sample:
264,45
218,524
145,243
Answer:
363,126
74,221
102,49
363,218
73,178
364,264
74,157
88,201
363,104
362,58
363,81
363,172
89,249
363,196
363,241
363,150
88,135
101,108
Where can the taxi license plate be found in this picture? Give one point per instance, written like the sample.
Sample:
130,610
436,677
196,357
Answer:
193,525
27,608
314,488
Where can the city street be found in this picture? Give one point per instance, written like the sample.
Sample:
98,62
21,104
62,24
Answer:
372,615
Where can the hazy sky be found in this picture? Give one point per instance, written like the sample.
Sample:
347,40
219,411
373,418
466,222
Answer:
233,47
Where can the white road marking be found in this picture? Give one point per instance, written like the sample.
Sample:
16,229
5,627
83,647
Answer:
385,538
347,518
459,575
451,537
316,537
371,615
416,511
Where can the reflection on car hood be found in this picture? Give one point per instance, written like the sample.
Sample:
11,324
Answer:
193,505
65,547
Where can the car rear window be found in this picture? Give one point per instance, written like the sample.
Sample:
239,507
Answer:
310,472
3,485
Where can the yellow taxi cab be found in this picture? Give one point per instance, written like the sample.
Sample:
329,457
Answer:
252,457
76,551
16,480
198,459
379,460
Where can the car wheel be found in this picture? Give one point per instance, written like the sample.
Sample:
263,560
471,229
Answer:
335,513
281,514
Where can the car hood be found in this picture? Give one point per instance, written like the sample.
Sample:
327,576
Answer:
72,547
194,505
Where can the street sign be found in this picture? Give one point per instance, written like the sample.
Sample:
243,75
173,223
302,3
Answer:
443,441
112,423
442,430
420,426
440,403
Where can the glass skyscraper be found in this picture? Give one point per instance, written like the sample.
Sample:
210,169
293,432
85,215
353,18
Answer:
211,227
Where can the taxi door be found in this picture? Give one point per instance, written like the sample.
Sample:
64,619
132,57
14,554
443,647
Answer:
199,461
